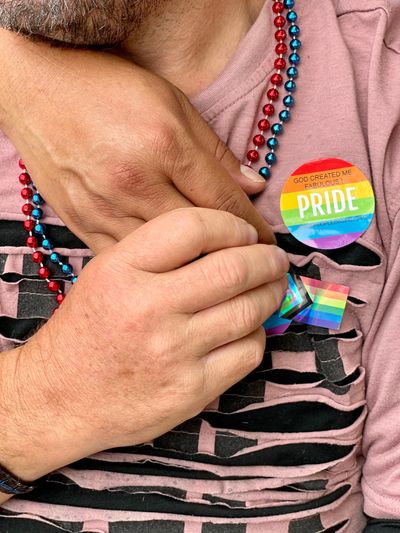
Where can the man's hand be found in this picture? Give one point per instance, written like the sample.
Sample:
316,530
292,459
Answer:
156,327
110,145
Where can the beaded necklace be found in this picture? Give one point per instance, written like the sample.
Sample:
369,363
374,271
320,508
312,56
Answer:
33,200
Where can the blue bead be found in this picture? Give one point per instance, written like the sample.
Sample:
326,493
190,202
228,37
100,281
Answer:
288,101
294,58
284,115
37,213
74,279
55,257
291,16
272,143
277,129
270,158
67,269
292,72
289,4
290,86
294,31
37,199
295,44
47,245
39,229
265,172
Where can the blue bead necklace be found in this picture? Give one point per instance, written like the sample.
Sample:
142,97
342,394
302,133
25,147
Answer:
276,129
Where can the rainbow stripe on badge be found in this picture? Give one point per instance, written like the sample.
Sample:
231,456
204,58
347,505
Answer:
328,304
327,204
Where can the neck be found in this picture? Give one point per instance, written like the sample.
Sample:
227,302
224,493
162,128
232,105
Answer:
189,42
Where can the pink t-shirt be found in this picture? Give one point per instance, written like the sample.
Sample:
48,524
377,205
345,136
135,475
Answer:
284,450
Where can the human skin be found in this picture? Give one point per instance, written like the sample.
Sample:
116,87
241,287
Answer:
131,146
58,389
156,327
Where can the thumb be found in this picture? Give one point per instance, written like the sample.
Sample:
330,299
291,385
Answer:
248,179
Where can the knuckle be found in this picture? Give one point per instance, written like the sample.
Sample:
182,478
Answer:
245,314
230,269
232,201
221,151
256,351
188,221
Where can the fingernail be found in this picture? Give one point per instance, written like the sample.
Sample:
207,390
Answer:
251,174
253,233
283,258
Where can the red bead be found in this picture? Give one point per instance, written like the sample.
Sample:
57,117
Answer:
60,298
26,193
280,63
268,110
259,140
279,21
281,48
280,35
37,257
276,79
253,155
273,94
263,124
21,164
53,286
278,7
27,209
25,178
29,225
44,272
32,242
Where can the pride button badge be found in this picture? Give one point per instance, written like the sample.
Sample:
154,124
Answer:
327,204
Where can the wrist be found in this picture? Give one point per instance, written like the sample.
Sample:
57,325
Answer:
38,434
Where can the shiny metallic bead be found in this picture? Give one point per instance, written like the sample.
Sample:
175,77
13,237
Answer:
294,31
55,257
284,115
47,245
32,242
290,86
289,4
291,16
54,286
37,213
44,273
37,257
26,193
270,158
66,269
288,101
292,72
265,172
295,44
272,143
39,229
37,199
27,209
294,58
277,129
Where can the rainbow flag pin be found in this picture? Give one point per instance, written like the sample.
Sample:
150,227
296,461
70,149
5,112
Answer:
309,301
